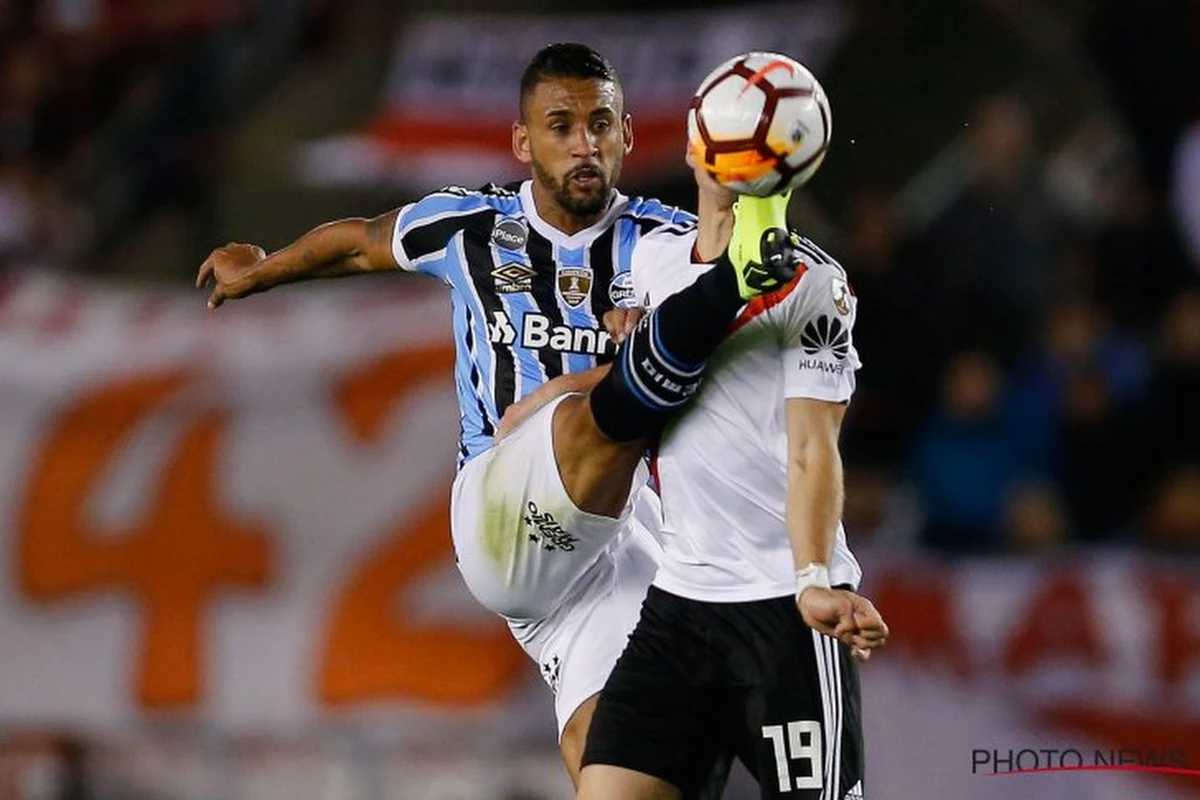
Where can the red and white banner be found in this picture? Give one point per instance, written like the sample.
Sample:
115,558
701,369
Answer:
451,94
241,516
237,522
1078,676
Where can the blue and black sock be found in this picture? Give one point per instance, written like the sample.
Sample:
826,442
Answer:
660,365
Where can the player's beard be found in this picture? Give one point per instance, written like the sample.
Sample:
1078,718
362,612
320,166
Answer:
580,205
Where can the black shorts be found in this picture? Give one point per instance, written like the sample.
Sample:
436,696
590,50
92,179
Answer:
700,681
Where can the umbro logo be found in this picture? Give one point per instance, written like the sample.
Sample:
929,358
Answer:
512,278
826,333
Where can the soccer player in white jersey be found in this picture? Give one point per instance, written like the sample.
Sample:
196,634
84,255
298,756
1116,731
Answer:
735,652
540,520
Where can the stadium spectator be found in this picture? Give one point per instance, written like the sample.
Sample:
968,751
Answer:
1095,435
990,252
1174,394
894,327
1172,519
1137,262
1185,192
1035,521
968,458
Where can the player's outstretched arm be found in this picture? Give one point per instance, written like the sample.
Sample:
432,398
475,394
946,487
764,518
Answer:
814,506
345,247
814,501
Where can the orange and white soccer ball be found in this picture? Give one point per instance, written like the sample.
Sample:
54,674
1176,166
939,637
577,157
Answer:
760,124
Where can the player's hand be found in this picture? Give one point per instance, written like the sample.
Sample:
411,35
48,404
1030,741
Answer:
517,413
226,268
872,630
721,197
848,617
620,322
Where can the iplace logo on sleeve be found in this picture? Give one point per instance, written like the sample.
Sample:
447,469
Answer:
510,234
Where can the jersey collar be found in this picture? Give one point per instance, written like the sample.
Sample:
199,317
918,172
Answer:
578,239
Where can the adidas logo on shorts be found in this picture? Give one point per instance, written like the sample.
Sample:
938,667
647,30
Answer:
855,793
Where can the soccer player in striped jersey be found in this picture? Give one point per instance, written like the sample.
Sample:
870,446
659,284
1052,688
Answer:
540,519
747,639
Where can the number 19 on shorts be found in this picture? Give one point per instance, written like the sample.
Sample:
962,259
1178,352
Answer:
798,741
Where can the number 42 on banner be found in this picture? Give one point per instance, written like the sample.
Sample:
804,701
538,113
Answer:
186,548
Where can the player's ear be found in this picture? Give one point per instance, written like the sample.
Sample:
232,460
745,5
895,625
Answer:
627,129
520,143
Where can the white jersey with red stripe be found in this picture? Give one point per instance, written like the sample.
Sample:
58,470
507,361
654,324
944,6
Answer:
722,466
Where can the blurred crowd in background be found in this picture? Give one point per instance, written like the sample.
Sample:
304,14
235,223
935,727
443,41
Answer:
116,111
1025,253
1033,350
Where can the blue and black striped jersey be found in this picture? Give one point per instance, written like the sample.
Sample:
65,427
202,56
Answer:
527,299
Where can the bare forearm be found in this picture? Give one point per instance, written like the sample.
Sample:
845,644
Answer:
814,504
345,247
568,383
714,207
715,226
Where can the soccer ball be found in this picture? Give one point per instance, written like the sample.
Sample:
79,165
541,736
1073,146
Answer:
760,124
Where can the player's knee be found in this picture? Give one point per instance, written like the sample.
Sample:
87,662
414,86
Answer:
595,470
576,435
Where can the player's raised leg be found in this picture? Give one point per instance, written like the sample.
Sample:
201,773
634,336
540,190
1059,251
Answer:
598,438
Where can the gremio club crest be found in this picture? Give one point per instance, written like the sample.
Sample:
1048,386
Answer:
574,285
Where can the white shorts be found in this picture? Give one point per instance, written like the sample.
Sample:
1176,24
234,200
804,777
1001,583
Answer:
522,544
577,646
570,583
